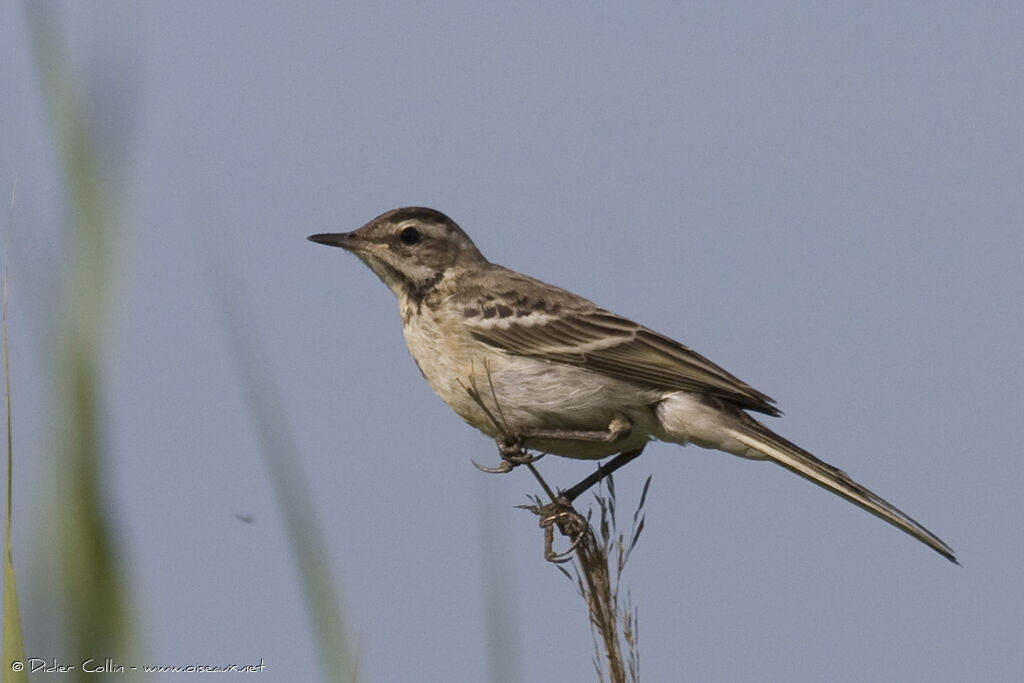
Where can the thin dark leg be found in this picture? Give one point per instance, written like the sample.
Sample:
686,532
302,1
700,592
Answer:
619,428
602,471
512,447
513,444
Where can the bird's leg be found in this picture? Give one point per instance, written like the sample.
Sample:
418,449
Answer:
618,428
512,447
603,470
560,512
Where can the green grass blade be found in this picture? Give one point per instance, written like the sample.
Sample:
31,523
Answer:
13,649
95,597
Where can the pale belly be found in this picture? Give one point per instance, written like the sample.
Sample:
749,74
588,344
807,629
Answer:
522,393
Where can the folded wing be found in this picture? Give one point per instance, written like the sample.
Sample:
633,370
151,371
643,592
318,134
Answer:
604,342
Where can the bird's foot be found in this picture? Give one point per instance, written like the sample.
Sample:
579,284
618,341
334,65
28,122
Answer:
570,523
513,453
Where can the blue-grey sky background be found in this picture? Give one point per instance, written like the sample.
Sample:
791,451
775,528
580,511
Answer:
826,199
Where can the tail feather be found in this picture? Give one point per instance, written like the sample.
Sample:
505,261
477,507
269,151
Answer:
797,460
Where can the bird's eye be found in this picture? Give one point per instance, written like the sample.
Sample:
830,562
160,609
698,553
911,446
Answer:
409,236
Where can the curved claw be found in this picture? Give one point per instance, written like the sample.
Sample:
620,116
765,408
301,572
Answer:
504,467
566,555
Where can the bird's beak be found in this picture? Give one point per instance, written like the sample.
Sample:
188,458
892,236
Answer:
345,240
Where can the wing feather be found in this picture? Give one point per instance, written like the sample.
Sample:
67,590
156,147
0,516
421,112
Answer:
597,339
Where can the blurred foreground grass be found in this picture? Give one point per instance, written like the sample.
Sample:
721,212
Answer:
13,648
97,618
97,612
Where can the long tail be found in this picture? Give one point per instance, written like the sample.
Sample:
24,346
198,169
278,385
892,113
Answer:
796,459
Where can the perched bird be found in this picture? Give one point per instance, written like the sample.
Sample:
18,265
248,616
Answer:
530,364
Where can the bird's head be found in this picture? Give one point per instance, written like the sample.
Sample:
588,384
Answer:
411,249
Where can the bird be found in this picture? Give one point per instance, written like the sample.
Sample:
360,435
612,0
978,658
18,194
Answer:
531,364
